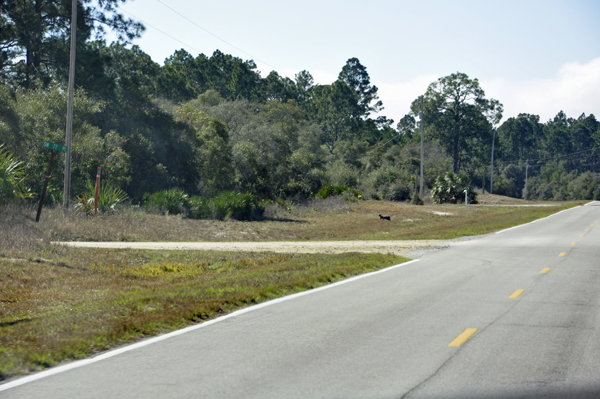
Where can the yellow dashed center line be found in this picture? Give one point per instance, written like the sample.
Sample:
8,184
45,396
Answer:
562,254
581,236
545,270
587,229
462,338
573,243
516,294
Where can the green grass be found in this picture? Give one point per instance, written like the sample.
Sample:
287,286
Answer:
475,221
64,304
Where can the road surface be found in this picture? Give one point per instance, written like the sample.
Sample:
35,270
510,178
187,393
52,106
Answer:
509,315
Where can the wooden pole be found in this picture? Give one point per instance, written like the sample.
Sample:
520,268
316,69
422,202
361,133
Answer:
48,174
526,171
421,116
67,185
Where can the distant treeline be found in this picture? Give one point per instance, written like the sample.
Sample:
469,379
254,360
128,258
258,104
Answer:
212,124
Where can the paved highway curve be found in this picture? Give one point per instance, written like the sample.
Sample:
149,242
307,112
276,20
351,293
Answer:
514,314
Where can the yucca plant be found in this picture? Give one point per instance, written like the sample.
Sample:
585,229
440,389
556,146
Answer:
109,197
12,177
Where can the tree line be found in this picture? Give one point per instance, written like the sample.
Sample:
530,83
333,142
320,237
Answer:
211,124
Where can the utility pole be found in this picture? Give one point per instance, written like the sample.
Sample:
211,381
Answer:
492,168
526,170
422,128
67,186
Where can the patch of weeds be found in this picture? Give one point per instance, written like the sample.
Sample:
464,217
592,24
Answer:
41,359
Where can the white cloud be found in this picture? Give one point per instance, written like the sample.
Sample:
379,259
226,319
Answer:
574,89
397,97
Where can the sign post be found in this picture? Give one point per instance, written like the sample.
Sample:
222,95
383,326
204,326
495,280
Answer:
54,147
97,190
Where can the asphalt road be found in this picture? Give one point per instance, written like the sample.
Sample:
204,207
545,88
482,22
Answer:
387,335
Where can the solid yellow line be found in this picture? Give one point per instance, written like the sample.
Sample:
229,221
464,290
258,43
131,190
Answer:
545,270
562,254
516,294
573,243
462,338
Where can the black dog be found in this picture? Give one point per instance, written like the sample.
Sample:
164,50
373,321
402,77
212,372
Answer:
386,217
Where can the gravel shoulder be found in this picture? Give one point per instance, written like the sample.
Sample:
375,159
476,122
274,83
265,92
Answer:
399,247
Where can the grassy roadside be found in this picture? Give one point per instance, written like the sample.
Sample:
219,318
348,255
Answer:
69,303
331,219
59,304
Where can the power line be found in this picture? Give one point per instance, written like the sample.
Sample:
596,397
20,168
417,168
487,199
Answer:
155,28
212,34
548,158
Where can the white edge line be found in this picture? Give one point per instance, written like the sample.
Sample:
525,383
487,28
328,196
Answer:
537,220
115,352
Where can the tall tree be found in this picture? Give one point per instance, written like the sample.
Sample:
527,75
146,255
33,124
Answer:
35,34
462,116
276,87
335,108
304,83
556,136
518,138
355,75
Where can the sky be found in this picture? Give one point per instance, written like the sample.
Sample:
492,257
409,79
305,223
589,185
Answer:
536,57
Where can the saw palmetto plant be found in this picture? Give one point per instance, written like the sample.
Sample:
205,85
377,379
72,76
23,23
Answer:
109,197
12,176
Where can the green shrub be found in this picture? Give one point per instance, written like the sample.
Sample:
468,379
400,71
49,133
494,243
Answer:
12,176
450,187
199,208
350,194
109,197
234,205
399,192
228,204
173,201
328,191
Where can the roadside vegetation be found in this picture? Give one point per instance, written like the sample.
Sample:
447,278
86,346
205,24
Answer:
332,218
59,304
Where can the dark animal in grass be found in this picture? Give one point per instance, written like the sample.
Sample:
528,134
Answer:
385,217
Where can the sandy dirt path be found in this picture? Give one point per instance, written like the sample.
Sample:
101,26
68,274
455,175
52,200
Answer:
403,247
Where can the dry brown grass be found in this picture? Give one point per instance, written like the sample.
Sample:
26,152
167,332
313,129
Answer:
18,231
330,219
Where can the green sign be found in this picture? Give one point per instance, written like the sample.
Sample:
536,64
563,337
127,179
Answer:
56,147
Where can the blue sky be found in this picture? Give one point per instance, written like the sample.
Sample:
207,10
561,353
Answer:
536,57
